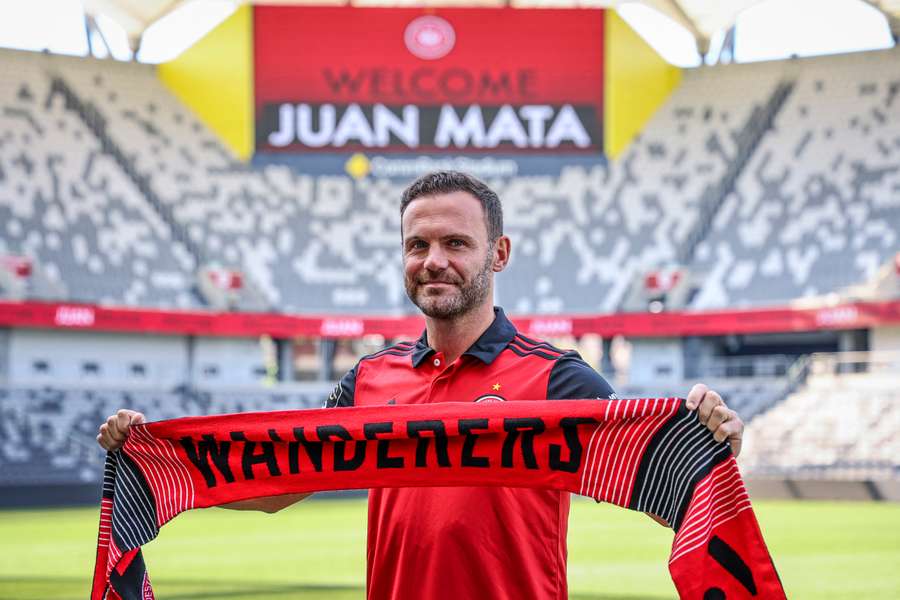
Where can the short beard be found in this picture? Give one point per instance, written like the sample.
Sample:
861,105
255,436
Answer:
470,295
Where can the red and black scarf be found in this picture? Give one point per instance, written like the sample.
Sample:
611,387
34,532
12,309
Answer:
647,455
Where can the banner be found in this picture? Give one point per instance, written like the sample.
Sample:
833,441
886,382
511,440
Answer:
338,79
861,315
648,455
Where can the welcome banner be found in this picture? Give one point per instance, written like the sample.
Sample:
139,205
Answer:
344,78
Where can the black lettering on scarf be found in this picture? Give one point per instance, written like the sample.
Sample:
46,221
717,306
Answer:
199,456
528,428
339,432
414,429
726,556
313,451
249,457
569,425
468,459
383,460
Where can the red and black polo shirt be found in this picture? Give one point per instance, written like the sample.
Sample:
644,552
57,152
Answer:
468,542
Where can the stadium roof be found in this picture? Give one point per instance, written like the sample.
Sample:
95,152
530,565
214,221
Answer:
702,18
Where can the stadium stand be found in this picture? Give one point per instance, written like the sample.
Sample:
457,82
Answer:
748,396
47,434
66,206
840,424
817,209
304,243
612,225
327,243
756,184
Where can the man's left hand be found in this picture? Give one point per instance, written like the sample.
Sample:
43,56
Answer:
721,420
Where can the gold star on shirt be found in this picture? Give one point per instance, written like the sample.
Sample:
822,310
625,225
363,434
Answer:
496,387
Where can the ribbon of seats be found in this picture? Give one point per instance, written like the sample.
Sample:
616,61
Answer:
650,455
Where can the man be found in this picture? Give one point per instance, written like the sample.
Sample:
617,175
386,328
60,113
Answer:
463,542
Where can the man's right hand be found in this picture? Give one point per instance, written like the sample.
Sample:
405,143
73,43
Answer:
115,431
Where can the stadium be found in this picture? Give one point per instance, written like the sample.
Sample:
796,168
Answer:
218,231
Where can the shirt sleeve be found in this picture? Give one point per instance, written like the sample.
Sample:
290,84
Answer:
573,379
344,391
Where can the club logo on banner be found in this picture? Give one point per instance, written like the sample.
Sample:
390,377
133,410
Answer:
463,80
429,38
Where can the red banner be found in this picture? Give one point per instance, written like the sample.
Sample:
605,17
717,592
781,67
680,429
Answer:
343,78
671,324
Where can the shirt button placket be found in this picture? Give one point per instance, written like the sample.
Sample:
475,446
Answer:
439,380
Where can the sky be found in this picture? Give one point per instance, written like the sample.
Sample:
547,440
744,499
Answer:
771,30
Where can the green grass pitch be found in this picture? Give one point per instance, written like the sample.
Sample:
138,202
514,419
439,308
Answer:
315,550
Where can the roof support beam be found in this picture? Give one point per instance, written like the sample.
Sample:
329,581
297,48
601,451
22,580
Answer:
92,27
134,16
701,38
674,10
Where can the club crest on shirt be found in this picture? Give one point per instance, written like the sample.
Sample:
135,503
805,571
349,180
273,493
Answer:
490,398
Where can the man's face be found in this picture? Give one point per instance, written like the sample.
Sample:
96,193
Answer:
447,259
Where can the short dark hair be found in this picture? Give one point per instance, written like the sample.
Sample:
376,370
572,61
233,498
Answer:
447,182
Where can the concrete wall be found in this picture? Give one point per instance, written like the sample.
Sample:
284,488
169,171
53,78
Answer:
227,361
656,360
113,358
824,489
885,338
39,356
4,353
696,351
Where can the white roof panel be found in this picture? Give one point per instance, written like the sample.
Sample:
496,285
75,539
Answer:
700,17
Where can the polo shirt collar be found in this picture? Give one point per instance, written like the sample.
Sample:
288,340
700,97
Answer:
486,348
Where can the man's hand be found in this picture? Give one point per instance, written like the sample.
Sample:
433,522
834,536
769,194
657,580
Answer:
721,420
115,431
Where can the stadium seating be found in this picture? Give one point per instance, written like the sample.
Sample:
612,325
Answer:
823,181
817,208
47,434
608,226
327,243
306,243
66,206
836,426
748,396
103,171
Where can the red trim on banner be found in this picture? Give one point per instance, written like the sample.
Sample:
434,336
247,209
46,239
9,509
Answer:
671,324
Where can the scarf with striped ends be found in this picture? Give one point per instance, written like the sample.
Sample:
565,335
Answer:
650,455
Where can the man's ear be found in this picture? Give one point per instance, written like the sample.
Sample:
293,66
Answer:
502,249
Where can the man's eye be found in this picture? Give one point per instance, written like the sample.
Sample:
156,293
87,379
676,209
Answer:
418,245
457,243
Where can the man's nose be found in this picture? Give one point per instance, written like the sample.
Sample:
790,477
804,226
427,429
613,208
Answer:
436,260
